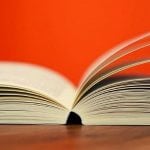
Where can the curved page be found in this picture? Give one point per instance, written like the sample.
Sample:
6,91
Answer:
38,79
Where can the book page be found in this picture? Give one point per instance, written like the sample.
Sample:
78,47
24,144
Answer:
38,79
114,54
130,94
112,72
117,52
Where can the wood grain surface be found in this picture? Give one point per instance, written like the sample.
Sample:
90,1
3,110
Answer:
38,137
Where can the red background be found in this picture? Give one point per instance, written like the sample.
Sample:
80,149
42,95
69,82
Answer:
67,35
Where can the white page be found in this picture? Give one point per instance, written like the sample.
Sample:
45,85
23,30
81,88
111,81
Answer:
38,79
112,72
114,54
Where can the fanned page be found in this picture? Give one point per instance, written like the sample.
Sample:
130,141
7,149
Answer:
117,52
38,79
115,91
113,59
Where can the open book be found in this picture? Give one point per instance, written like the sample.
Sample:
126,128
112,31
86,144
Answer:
111,92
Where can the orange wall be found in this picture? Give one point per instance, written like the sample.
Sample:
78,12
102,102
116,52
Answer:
67,35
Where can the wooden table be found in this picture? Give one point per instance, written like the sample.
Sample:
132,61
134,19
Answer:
43,137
